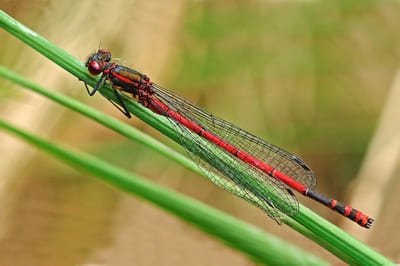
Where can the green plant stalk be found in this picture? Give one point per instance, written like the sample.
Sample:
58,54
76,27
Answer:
259,245
347,246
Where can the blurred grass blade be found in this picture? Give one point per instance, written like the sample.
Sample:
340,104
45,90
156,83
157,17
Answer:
257,244
317,228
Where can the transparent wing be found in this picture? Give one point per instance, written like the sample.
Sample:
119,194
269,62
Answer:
208,156
270,154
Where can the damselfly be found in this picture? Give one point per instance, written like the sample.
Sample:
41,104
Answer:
274,168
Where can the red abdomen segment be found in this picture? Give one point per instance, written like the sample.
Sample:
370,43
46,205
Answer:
347,211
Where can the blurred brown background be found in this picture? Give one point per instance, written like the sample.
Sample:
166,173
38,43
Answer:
318,79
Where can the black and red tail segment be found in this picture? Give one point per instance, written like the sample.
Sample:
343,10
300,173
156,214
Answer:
345,210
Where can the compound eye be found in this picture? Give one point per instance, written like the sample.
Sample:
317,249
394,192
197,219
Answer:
94,68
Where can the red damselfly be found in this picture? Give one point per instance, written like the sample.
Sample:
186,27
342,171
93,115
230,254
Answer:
275,169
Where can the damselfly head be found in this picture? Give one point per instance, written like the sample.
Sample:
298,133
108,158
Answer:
97,61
